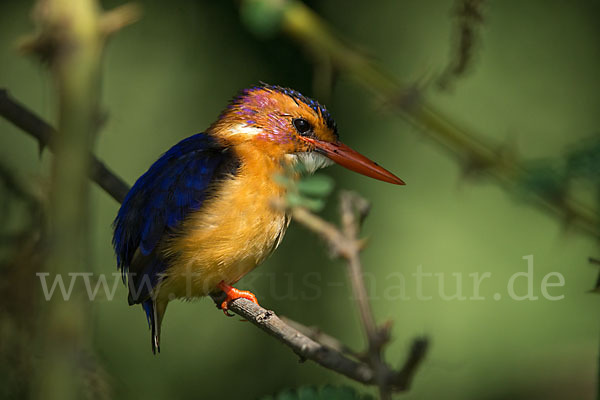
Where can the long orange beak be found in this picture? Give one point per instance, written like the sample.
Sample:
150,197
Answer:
353,160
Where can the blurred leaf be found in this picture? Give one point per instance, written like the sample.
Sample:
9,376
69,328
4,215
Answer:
283,180
301,193
296,200
545,179
327,392
316,185
584,160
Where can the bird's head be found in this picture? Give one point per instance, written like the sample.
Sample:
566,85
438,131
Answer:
285,123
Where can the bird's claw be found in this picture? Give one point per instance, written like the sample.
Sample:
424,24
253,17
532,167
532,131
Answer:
233,294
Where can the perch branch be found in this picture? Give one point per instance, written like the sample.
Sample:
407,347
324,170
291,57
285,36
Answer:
302,345
320,348
316,334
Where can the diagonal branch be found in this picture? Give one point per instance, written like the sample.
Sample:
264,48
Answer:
305,347
15,112
323,338
476,155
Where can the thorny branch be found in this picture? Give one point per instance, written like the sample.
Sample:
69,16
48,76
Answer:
307,343
476,155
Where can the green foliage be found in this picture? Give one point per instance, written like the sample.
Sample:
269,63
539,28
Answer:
262,17
310,191
327,392
584,160
550,178
544,178
316,185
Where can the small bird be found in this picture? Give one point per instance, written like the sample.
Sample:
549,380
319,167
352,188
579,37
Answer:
202,217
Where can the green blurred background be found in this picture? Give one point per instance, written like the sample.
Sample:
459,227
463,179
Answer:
534,81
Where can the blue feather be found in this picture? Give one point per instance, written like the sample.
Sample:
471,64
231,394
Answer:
175,185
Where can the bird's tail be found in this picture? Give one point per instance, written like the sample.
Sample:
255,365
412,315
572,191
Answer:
154,312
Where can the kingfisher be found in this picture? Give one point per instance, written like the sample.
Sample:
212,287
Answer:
202,216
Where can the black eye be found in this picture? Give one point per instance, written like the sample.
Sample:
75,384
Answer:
302,126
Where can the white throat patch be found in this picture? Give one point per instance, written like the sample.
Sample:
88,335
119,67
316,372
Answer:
311,161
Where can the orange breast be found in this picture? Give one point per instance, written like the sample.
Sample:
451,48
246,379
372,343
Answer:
231,234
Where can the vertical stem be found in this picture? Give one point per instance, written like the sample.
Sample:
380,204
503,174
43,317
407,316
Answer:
368,322
350,226
71,26
362,299
350,230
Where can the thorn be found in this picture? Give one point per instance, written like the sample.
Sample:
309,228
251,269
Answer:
41,148
363,206
41,45
503,155
384,334
386,328
118,18
362,243
508,152
596,288
407,98
474,165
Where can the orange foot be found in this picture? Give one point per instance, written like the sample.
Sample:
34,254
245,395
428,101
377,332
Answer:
232,294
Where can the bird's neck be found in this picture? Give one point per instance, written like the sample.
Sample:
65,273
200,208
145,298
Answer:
262,163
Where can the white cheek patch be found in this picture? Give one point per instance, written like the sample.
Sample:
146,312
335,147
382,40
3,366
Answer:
244,130
310,161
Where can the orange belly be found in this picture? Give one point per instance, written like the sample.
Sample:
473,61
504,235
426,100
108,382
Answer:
229,236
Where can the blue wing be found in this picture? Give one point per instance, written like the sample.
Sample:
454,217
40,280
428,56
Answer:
176,184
